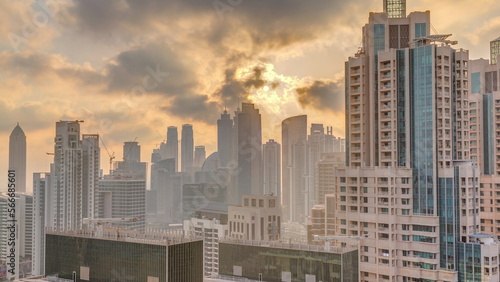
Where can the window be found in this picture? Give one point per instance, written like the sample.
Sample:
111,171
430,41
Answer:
405,238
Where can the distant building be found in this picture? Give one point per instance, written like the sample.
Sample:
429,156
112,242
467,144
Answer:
294,164
122,194
17,157
225,139
249,153
199,156
271,170
196,196
273,261
187,147
325,175
258,218
172,147
115,256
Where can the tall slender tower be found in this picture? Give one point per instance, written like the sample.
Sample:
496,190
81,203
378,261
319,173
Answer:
225,138
249,153
294,163
271,170
173,145
17,157
187,147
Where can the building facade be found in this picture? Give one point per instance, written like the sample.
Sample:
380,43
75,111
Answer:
271,171
187,147
124,257
294,163
258,218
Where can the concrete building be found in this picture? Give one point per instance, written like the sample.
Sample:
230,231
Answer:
494,50
271,168
17,157
75,176
294,163
211,225
325,175
187,147
118,255
41,204
21,236
122,194
409,186
275,261
258,218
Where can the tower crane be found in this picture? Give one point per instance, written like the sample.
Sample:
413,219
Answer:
111,156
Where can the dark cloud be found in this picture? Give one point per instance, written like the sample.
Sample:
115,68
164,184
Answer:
323,95
154,67
38,66
268,24
197,107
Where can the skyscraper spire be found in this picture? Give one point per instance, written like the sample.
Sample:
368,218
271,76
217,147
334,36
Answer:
17,157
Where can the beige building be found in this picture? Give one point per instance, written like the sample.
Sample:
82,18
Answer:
258,218
409,191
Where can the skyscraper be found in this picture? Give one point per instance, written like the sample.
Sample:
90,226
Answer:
199,156
74,160
173,145
225,138
271,169
17,157
409,186
294,163
249,146
187,147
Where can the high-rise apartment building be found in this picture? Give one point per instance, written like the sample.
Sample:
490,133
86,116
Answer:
187,147
294,164
409,189
271,168
17,157
485,136
75,176
41,187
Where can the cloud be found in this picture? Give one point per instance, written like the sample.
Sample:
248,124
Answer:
323,95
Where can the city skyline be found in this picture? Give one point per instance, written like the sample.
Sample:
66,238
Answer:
57,83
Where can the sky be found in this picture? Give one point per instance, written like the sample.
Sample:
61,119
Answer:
131,68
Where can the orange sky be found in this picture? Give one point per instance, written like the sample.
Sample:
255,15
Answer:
88,60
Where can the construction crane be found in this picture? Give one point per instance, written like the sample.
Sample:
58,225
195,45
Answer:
328,239
111,156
